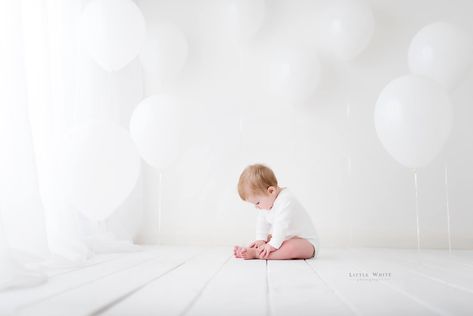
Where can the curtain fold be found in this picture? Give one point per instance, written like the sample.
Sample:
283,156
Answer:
22,225
49,45
48,86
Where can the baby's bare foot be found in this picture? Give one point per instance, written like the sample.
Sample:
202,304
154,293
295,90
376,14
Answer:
237,251
249,253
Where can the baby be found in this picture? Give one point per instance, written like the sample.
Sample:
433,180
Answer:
284,229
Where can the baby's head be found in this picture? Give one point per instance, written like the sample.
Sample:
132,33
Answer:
259,186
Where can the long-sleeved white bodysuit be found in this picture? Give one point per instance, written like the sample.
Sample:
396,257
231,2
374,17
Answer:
285,220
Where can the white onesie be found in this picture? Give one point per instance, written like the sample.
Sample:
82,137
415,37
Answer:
285,220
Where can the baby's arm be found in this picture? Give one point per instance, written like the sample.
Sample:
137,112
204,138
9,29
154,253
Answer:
262,231
280,226
265,250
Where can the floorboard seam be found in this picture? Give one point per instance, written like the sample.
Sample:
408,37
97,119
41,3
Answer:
268,297
350,306
19,308
130,293
79,268
406,294
195,299
435,279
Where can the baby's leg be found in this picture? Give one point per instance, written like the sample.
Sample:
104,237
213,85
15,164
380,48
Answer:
294,248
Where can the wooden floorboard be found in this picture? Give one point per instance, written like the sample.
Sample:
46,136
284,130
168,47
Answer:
365,296
95,260
176,291
13,300
109,288
239,288
166,280
443,291
295,289
445,267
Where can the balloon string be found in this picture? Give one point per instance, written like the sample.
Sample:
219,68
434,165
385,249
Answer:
349,173
143,82
417,209
113,110
101,228
3,238
448,212
110,96
160,200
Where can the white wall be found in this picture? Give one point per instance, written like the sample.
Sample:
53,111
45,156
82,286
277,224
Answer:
326,149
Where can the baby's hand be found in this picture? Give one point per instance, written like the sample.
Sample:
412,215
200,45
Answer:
265,250
257,243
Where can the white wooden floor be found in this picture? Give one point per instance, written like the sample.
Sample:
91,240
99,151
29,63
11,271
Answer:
168,280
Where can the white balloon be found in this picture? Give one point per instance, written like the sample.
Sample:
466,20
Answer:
413,119
245,18
113,32
165,51
348,26
99,167
291,74
154,128
441,51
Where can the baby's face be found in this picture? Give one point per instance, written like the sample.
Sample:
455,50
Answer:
263,201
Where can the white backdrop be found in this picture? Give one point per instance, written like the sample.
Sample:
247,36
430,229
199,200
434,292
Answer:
324,148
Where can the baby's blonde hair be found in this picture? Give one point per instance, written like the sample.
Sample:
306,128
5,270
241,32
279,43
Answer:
256,179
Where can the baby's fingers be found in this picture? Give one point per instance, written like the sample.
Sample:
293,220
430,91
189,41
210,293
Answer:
266,253
263,253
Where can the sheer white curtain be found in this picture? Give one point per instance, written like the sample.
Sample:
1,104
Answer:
46,86
22,224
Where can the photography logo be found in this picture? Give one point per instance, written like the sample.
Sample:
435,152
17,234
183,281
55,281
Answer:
370,276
